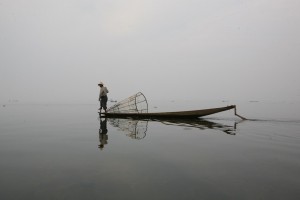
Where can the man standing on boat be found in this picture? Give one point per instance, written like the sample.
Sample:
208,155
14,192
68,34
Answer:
103,96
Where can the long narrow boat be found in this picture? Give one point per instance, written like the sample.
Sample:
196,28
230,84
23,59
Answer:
136,106
178,114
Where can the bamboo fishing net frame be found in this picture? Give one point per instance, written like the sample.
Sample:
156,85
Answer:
136,103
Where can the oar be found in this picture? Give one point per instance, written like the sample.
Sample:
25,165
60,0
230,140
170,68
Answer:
243,118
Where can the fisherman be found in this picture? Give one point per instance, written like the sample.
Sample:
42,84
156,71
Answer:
103,96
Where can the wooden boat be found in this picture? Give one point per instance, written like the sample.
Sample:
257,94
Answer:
136,106
178,114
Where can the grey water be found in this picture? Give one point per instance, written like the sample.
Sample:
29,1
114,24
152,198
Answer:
68,152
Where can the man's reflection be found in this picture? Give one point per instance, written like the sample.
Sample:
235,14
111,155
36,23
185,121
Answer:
103,133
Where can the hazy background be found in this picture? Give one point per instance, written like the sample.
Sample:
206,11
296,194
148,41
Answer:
57,51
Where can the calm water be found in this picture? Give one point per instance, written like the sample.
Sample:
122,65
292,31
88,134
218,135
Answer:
67,152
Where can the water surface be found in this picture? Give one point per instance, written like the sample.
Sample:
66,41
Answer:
67,152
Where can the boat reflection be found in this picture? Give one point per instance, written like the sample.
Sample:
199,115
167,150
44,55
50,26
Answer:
201,124
136,129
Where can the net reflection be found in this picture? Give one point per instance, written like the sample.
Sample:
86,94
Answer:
136,129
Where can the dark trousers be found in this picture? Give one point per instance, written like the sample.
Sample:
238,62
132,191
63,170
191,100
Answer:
103,102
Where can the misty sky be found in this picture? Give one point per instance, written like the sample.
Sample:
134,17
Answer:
57,51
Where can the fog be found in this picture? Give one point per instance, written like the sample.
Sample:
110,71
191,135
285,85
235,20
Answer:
57,51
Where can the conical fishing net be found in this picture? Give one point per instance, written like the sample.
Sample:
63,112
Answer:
134,104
